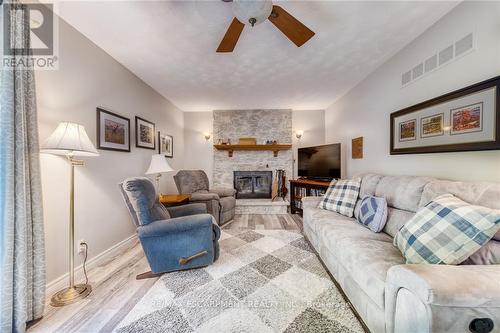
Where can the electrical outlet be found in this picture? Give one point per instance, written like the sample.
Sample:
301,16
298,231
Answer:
81,246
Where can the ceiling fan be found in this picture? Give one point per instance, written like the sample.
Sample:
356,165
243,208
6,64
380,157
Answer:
252,12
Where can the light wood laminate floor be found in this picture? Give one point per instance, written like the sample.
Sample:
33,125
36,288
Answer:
116,291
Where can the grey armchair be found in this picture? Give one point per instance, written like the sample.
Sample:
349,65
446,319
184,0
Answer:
174,238
220,202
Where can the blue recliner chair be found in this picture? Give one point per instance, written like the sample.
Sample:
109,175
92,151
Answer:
174,238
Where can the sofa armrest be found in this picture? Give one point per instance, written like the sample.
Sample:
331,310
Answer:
311,202
442,297
176,225
187,210
445,285
204,197
223,191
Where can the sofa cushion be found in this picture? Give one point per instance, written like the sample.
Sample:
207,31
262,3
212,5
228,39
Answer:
367,261
489,254
373,213
332,227
402,192
446,231
341,196
369,183
396,218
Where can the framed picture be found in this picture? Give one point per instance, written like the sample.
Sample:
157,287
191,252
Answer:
464,120
113,131
432,126
467,119
144,133
407,130
165,145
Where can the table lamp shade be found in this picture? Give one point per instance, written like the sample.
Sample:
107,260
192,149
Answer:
69,138
158,165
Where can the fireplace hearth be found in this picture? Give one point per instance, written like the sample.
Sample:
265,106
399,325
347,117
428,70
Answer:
253,184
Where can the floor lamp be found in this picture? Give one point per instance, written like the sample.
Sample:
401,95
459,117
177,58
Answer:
70,140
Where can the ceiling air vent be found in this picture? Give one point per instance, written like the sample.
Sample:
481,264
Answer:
439,59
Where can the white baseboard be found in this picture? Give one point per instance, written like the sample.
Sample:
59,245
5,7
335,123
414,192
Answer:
62,282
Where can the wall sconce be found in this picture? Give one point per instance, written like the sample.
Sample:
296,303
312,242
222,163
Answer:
207,136
298,134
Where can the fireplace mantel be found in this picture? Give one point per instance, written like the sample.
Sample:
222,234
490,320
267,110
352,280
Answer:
275,148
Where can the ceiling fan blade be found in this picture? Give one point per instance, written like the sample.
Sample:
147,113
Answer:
231,37
290,26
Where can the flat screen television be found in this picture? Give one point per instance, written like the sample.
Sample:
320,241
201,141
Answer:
319,162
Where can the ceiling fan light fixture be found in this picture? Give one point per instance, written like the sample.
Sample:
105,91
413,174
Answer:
252,12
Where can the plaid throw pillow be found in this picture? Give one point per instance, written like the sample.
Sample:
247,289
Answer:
446,231
341,196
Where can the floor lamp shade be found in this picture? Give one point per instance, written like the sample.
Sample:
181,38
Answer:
69,138
158,166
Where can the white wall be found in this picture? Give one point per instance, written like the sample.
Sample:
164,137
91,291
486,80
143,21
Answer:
365,110
199,152
312,122
87,78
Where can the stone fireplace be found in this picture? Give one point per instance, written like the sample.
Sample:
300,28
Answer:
256,167
253,184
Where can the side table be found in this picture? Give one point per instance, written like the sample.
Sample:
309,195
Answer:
170,200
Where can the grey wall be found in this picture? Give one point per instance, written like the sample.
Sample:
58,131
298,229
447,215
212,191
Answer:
364,111
87,78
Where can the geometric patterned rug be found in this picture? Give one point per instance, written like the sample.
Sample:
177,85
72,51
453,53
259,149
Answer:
264,281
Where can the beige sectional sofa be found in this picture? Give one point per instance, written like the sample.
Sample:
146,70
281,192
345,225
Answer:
389,295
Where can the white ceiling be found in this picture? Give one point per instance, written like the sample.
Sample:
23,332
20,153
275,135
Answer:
171,46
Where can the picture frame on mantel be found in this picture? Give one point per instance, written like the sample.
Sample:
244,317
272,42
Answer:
467,119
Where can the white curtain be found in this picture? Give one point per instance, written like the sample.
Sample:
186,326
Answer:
22,262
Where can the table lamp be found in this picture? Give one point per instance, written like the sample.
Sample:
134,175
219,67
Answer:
70,140
158,166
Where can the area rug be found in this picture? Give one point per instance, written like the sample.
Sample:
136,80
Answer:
264,281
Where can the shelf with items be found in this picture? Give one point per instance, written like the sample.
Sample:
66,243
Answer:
275,148
301,188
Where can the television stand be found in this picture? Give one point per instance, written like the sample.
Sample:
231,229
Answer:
318,179
300,188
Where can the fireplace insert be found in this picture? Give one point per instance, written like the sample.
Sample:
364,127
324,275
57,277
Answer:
253,184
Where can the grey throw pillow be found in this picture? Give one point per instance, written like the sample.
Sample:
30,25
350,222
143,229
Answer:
373,213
